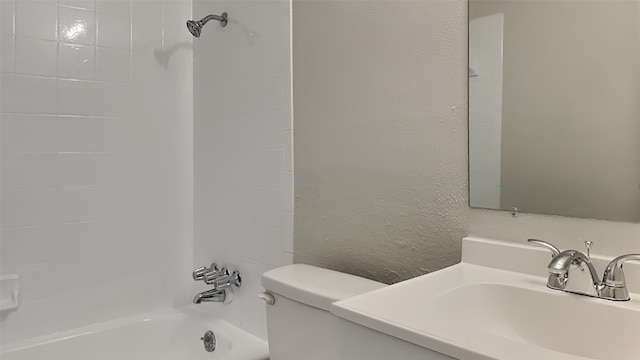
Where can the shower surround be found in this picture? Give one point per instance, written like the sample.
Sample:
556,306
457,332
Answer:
99,104
97,151
243,148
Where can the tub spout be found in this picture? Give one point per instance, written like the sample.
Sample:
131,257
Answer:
211,296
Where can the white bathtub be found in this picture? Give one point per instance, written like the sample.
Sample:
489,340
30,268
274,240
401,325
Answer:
171,335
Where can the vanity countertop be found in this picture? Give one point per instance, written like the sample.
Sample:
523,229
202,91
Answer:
495,305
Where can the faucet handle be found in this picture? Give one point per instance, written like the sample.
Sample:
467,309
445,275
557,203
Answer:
554,250
199,273
613,274
225,282
210,277
614,286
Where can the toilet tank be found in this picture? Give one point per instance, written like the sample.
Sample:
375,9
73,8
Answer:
299,324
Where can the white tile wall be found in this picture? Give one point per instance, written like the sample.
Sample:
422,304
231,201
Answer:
34,94
80,4
46,13
114,24
77,97
8,55
7,15
76,61
243,148
77,26
36,56
96,160
113,65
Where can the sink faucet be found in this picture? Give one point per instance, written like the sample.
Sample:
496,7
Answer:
567,273
579,282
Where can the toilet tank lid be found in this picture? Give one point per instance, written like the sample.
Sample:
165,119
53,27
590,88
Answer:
316,286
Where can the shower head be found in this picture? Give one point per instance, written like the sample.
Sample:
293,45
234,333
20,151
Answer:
195,27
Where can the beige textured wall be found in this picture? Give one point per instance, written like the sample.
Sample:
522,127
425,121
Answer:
380,133
571,119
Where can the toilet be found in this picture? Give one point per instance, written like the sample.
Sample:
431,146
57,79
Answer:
298,297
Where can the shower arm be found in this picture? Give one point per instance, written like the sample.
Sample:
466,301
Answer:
222,18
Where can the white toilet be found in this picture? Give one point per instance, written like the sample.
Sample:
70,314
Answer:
299,324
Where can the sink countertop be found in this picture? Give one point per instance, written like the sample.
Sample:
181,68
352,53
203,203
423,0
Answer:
473,311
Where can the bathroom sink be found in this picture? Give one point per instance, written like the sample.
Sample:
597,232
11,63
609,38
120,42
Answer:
469,311
562,322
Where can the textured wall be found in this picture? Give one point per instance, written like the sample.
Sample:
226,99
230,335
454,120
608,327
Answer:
380,135
380,156
243,145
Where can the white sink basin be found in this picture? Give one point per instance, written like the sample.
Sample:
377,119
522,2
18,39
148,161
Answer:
557,321
474,312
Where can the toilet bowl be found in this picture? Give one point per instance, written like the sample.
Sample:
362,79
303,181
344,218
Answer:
298,297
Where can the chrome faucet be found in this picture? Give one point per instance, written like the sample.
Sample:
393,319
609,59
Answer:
580,282
211,296
566,273
222,283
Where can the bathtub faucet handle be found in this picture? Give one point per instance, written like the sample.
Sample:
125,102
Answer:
225,282
199,273
211,276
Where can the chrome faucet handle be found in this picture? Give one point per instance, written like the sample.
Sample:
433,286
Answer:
614,286
613,274
549,246
198,274
227,281
212,276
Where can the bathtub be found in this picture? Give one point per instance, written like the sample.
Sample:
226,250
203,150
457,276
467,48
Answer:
171,335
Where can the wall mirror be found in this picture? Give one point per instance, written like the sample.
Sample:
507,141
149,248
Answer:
554,107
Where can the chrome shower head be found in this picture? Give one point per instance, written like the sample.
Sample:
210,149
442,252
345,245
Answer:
195,27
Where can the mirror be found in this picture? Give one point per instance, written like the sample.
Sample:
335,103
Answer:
554,107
